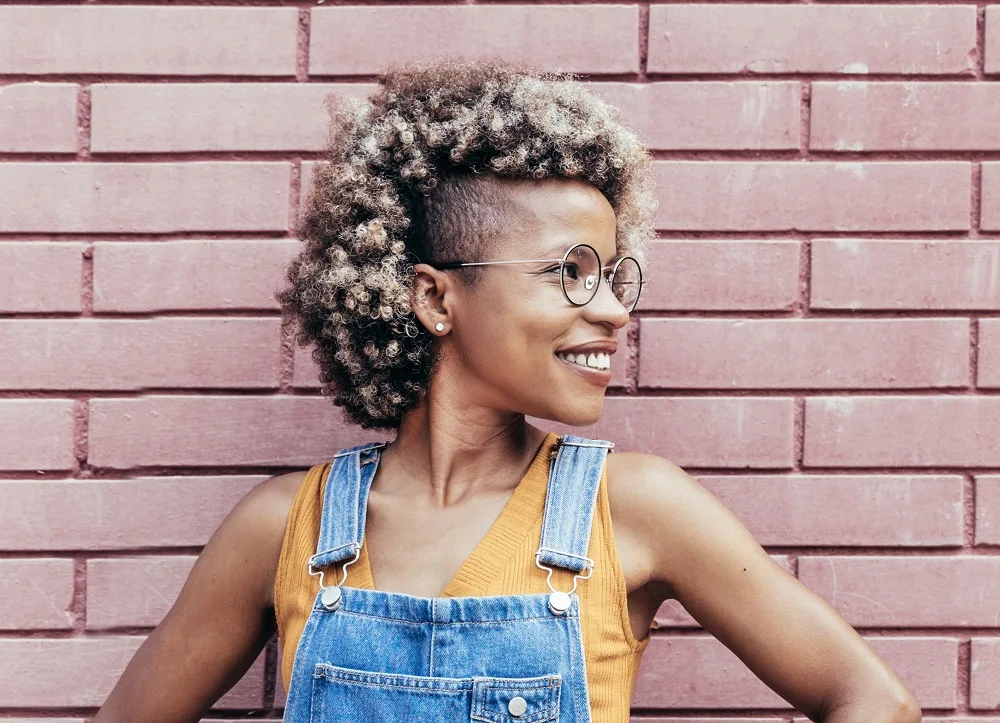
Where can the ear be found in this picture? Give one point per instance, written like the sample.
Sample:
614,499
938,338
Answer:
433,298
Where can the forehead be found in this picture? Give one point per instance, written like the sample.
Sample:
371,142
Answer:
557,213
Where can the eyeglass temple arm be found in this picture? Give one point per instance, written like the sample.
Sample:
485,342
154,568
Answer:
458,264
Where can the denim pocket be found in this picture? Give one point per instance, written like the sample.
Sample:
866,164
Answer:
343,695
516,700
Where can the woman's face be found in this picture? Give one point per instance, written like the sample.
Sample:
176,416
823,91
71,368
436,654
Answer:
515,337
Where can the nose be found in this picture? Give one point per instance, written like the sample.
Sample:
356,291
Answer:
605,308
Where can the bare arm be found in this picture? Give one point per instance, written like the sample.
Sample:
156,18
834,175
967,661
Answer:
220,622
702,555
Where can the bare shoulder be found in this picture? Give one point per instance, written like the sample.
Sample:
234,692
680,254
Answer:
658,509
257,525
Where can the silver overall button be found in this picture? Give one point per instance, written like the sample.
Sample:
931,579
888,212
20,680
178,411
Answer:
330,597
517,706
559,603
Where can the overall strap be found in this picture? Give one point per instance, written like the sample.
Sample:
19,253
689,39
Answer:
345,500
570,501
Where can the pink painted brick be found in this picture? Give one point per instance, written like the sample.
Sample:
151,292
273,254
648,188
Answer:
673,615
992,39
139,354
919,431
720,275
161,117
989,354
846,510
215,431
743,432
709,116
905,592
985,667
189,275
97,663
36,594
889,116
701,673
758,38
804,353
40,276
988,510
144,512
813,196
36,434
134,591
900,274
990,213
364,40
144,197
645,719
36,118
148,40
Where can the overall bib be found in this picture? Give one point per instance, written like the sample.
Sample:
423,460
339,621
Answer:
367,656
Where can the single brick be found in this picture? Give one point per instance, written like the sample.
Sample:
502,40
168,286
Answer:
673,615
804,353
139,354
144,197
134,591
40,277
989,354
189,275
905,592
709,116
887,116
846,510
759,38
704,674
36,434
144,512
242,431
364,40
897,353
97,663
990,220
36,118
895,431
992,39
985,667
988,510
173,117
720,275
813,196
148,40
898,274
740,432
36,594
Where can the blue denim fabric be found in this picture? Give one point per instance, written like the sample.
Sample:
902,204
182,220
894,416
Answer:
367,656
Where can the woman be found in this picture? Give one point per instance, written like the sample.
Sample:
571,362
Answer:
472,251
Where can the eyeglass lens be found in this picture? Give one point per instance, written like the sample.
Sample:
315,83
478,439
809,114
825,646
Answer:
581,273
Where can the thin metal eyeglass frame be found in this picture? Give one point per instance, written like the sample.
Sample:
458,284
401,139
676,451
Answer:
562,275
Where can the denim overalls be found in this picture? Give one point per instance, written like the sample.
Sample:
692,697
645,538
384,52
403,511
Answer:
367,656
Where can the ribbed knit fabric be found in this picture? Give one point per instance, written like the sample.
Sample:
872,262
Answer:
503,563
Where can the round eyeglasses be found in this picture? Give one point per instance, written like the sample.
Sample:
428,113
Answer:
580,273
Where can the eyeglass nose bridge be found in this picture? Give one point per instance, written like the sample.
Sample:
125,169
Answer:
592,282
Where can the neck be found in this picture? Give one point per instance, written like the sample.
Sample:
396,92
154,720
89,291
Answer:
448,450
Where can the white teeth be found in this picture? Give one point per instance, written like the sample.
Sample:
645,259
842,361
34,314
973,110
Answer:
598,360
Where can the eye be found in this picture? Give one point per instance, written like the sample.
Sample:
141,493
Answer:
572,271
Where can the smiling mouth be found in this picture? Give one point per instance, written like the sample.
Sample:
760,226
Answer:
598,361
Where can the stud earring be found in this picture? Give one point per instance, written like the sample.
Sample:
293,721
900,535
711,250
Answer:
439,326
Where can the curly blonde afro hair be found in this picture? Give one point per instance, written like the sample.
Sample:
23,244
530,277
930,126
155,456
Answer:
415,173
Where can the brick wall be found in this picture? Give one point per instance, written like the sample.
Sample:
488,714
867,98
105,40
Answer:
819,343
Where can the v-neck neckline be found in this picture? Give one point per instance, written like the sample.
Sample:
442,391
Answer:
502,539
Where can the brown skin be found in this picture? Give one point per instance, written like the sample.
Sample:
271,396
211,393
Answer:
456,459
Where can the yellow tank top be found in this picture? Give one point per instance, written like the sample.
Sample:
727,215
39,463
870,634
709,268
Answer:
503,563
